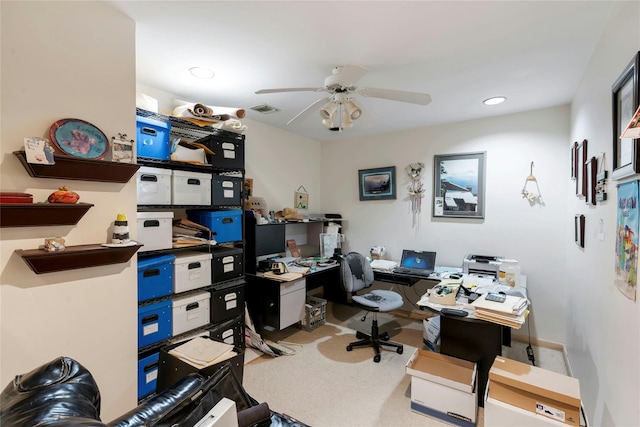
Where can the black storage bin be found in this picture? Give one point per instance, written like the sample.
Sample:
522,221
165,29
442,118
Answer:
171,369
227,301
230,332
226,191
228,149
226,264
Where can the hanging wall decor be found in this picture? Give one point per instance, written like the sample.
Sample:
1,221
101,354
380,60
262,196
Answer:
601,181
301,198
416,189
459,185
625,100
626,265
531,189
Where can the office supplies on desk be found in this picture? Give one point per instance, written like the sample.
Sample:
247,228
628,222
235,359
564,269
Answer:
419,263
444,294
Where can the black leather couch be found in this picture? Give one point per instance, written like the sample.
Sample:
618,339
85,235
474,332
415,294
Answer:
64,393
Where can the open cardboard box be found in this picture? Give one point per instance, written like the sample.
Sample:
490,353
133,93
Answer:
536,390
443,387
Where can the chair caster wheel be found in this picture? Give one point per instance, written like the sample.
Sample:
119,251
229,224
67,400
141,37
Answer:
349,348
360,335
399,350
376,358
384,336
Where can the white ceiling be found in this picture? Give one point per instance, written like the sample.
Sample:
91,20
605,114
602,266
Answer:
460,52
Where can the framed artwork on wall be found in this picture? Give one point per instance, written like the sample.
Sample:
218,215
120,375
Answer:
459,185
581,169
377,184
625,100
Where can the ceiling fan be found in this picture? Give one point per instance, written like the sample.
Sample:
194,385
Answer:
339,109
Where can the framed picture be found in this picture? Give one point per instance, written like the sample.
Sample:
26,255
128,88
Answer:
579,230
625,100
574,159
459,185
592,170
581,169
377,184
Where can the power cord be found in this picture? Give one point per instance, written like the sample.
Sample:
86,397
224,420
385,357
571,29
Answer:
530,355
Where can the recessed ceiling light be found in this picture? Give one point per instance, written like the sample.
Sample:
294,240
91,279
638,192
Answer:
201,73
495,100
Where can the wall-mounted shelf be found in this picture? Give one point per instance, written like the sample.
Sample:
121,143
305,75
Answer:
67,167
74,257
41,214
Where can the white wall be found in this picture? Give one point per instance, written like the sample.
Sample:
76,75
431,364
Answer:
60,60
602,324
534,235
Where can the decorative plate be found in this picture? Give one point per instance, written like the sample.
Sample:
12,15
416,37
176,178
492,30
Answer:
78,138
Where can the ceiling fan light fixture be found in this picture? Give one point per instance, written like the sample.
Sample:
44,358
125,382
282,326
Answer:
328,110
346,119
352,109
494,100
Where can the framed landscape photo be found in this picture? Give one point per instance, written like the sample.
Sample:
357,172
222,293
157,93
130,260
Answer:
459,185
377,184
625,100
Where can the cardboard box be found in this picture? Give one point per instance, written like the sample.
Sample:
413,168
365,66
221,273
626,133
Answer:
190,312
536,390
155,276
190,188
443,387
155,230
153,138
500,414
192,271
153,186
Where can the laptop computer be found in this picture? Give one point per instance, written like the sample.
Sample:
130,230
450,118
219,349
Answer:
419,263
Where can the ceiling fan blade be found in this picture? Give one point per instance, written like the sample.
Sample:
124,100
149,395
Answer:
348,75
395,95
290,89
307,111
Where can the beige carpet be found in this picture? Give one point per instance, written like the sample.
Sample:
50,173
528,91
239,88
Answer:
324,385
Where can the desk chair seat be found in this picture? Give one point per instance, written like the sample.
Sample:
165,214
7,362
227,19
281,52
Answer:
357,275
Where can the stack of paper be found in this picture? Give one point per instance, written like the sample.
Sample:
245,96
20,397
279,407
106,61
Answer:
189,233
512,312
202,352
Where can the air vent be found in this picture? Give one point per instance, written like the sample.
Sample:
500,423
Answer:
264,108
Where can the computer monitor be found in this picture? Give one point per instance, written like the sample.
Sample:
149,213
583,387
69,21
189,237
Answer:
269,239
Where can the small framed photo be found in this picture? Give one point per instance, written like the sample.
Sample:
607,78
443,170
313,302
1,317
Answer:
459,185
377,184
581,169
625,100
122,149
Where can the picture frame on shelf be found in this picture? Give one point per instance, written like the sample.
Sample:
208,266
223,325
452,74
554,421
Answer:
377,184
459,185
625,93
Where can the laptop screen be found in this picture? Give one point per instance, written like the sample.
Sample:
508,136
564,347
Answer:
418,260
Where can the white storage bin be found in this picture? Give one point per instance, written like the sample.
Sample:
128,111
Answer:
191,188
190,312
153,186
192,271
155,230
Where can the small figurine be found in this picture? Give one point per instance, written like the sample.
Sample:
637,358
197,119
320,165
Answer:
54,244
120,234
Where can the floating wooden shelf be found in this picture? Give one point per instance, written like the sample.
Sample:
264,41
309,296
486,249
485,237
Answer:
41,214
67,167
74,257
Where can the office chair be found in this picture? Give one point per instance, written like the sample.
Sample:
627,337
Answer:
357,275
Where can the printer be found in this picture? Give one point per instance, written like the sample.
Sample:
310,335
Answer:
482,265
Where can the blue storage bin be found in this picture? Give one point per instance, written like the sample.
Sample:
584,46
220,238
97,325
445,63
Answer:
155,276
226,224
147,375
154,323
153,139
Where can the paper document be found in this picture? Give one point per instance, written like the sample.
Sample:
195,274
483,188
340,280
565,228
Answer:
383,264
202,352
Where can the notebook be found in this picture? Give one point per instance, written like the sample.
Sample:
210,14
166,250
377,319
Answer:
419,263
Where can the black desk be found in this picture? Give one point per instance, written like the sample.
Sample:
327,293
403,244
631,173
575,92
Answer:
466,338
264,295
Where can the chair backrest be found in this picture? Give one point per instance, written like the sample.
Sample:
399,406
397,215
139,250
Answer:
356,272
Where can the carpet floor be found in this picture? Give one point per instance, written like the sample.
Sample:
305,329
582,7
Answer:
323,385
